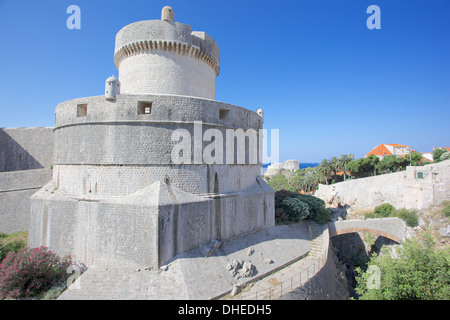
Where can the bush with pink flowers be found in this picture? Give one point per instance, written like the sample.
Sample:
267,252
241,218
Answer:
31,271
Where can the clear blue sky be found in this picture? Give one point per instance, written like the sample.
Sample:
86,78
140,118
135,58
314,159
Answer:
331,85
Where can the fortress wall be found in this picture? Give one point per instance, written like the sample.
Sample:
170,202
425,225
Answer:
25,148
415,188
16,188
148,228
90,231
165,109
92,180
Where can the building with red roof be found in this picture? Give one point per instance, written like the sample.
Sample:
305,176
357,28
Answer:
386,149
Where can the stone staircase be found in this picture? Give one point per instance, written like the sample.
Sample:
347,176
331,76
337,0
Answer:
317,239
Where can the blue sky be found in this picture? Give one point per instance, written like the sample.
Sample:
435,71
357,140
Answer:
327,82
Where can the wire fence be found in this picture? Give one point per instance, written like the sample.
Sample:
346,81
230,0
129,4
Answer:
286,286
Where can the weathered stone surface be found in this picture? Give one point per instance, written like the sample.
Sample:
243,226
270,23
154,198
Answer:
405,189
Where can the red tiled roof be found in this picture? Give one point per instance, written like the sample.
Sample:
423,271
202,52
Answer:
380,150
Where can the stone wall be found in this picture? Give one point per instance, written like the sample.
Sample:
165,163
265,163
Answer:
415,188
26,155
16,188
149,227
25,148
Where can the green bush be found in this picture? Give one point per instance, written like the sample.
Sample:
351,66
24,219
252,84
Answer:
420,272
322,215
446,211
384,210
283,194
369,215
313,202
12,246
410,217
295,208
445,156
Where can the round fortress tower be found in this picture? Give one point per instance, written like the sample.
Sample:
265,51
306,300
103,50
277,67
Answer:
165,57
155,166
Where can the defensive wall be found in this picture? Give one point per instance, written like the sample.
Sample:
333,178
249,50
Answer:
25,161
418,187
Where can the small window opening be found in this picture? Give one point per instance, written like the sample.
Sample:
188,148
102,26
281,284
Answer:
419,175
82,110
144,107
223,113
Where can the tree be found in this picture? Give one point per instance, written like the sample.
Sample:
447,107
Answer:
343,162
370,164
414,157
335,166
324,170
445,156
363,167
391,163
278,182
437,154
297,183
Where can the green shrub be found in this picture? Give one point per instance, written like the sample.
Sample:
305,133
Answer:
31,271
369,215
419,272
280,215
313,202
384,210
445,156
322,215
295,208
410,217
12,246
446,211
283,194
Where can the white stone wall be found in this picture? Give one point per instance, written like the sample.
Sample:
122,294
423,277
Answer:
149,227
167,73
401,189
16,188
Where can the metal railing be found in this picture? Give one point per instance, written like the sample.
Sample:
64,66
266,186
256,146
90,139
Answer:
286,286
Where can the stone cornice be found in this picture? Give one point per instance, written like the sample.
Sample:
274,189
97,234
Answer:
152,46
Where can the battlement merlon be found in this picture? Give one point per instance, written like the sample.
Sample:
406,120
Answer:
161,35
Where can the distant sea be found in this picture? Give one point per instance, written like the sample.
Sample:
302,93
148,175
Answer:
302,165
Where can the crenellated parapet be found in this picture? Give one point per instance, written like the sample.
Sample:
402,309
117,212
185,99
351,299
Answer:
175,47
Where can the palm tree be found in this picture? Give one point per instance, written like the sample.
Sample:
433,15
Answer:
324,170
335,166
343,161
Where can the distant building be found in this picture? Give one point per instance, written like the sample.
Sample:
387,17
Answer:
276,168
386,149
428,156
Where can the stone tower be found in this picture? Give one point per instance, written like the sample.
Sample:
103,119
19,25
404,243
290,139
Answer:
134,177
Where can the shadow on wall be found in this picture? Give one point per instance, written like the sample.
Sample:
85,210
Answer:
13,157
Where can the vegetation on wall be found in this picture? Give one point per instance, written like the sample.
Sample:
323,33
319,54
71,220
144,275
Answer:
387,210
420,271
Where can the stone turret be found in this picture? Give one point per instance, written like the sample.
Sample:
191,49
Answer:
165,57
112,88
